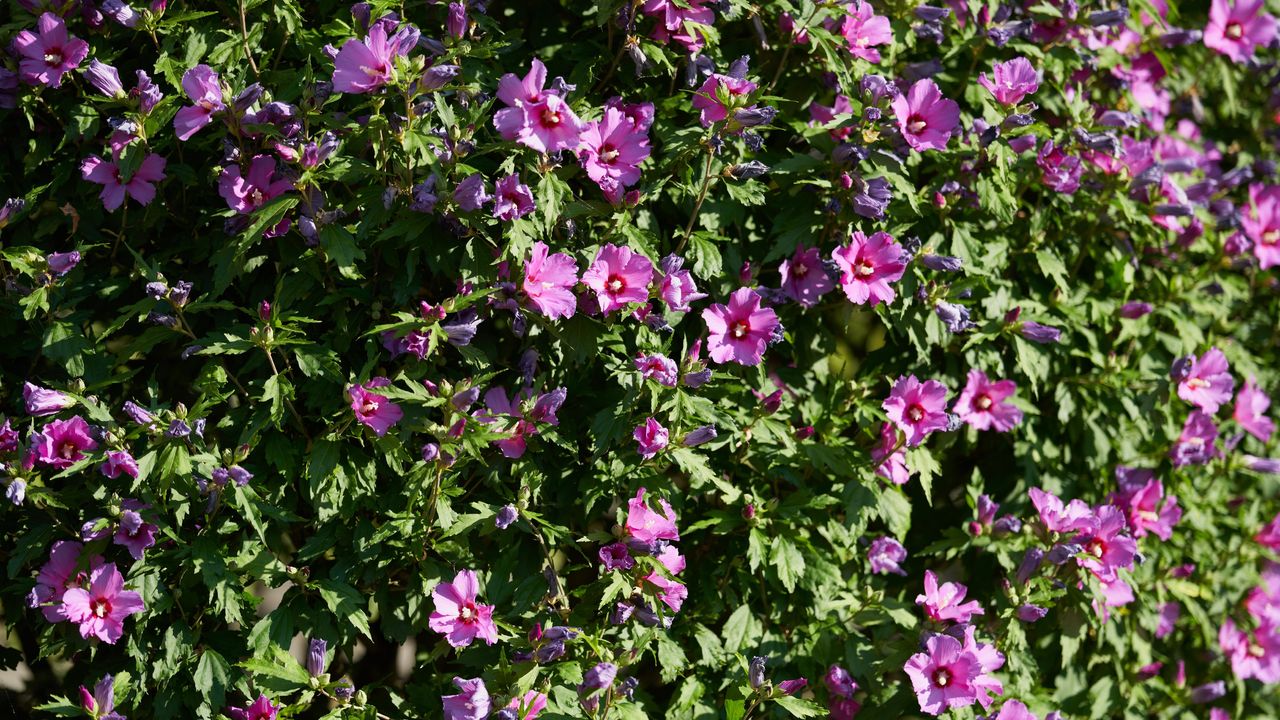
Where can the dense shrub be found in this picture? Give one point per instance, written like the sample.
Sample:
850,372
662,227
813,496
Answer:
667,358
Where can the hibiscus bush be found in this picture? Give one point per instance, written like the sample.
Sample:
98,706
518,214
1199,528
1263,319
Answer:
640,358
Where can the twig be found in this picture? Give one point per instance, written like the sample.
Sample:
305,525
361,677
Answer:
244,40
702,195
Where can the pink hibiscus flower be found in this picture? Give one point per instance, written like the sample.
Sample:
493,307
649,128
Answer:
101,609
645,525
1237,27
1011,81
49,53
619,276
803,278
925,118
549,281
740,331
946,602
458,616
1251,410
707,99
373,410
362,66
204,89
139,186
1208,384
917,408
862,30
867,266
536,118
890,458
982,403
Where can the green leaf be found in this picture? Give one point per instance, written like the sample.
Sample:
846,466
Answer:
345,602
788,561
212,676
798,707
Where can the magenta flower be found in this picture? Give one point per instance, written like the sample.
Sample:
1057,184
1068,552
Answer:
511,198
1261,222
1142,498
41,401
49,53
803,278
458,616
619,276
1208,383
62,443
611,151
119,461
669,592
1014,710
917,408
946,602
205,90
675,20
261,709
676,287
549,281
471,703
889,456
659,368
645,525
1251,411
867,266
534,117
247,193
1236,28
532,703
651,438
1106,545
886,556
707,99
362,66
862,30
1198,443
139,186
373,410
740,331
1011,81
62,572
134,534
989,660
101,609
101,703
982,403
1059,518
1060,172
1253,654
925,118
943,675
518,93
616,556
1269,535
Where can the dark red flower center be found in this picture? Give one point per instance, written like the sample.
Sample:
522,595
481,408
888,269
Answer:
982,402
468,614
615,284
739,329
257,197
68,450
608,153
916,124
864,268
915,413
1097,547
550,117
800,270
100,607
53,56
1234,30
1271,236
942,677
